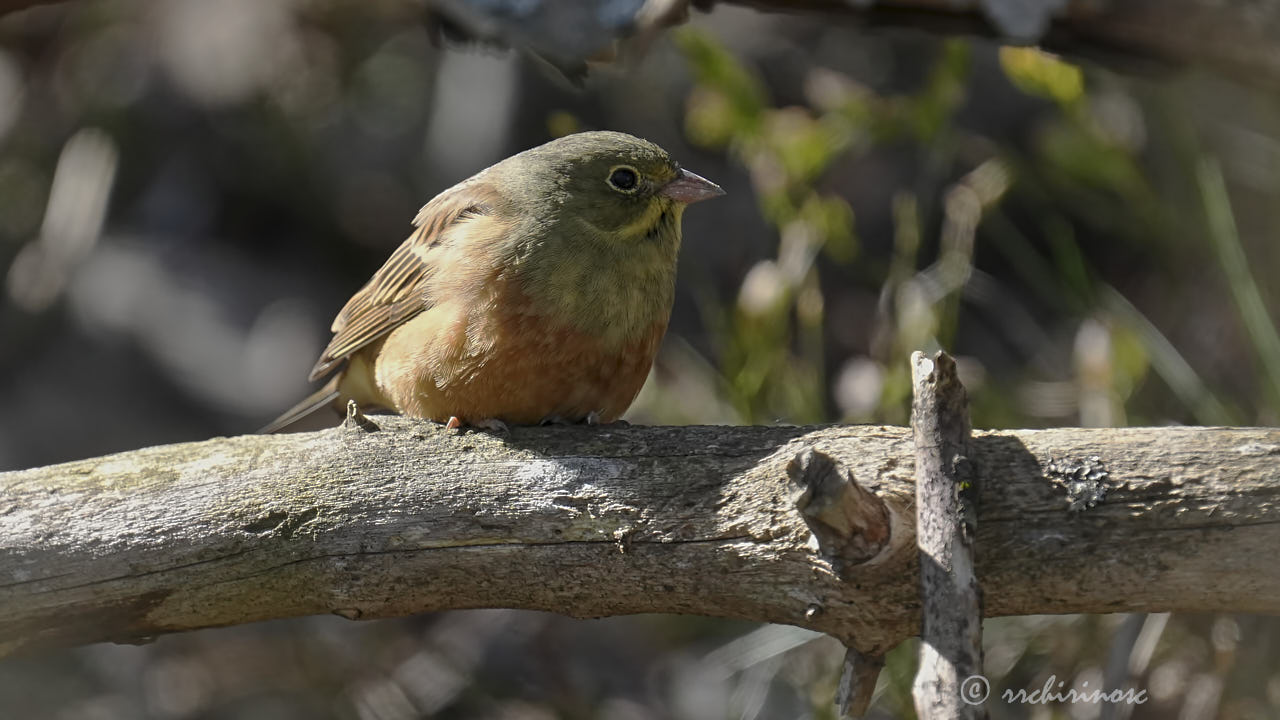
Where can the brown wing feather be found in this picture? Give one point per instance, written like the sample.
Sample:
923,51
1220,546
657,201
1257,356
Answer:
398,290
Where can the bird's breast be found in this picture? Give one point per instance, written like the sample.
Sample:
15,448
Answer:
612,289
500,356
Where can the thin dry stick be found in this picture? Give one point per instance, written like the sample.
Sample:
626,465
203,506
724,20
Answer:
946,518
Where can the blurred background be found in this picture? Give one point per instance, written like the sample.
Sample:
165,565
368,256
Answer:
189,190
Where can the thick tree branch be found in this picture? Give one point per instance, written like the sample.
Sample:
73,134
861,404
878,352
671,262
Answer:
605,521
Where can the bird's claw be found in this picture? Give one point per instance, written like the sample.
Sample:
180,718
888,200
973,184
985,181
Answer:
490,424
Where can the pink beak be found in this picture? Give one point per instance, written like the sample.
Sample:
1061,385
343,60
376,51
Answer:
690,188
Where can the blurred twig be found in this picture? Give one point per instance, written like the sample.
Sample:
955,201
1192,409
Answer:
72,221
1169,364
1253,310
1135,643
1125,35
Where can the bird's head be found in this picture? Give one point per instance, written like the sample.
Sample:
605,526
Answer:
600,229
617,185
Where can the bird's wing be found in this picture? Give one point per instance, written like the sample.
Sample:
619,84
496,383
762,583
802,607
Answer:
399,289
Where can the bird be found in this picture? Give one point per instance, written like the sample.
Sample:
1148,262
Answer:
536,291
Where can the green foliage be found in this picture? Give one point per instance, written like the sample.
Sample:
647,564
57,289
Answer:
1081,178
772,342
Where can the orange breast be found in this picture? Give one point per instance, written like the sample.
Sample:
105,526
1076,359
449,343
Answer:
492,356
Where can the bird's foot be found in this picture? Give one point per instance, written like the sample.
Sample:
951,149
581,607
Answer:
592,418
493,425
490,424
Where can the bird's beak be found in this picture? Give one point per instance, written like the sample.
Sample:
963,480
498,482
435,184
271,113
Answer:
690,188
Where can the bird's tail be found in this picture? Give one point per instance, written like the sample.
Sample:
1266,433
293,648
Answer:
317,400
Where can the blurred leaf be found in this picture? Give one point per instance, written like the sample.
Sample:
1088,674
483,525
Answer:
1086,160
1068,260
1042,74
743,97
709,118
563,122
802,145
832,218
1130,358
930,111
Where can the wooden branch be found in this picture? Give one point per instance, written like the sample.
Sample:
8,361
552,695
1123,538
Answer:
850,526
605,521
1236,37
946,512
858,676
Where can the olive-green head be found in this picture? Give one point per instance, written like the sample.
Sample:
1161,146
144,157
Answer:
599,229
615,183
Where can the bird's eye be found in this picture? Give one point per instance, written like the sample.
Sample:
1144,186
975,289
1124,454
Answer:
624,179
